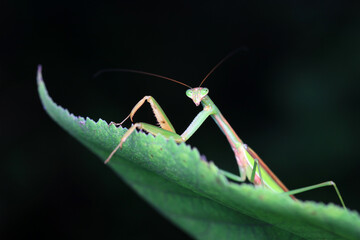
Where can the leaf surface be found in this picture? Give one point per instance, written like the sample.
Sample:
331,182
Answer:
194,195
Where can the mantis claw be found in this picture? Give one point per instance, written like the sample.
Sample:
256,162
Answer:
114,123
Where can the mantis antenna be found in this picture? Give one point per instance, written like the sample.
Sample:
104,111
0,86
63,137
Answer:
167,78
140,72
217,65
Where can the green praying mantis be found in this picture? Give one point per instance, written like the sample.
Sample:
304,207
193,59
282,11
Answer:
250,165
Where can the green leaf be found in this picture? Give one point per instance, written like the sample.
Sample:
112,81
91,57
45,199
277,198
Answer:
193,193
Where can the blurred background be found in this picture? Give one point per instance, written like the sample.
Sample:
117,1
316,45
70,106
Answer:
292,96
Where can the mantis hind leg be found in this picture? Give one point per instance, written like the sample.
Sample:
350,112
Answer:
312,187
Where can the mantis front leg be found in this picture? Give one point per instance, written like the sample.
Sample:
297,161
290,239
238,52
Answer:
149,128
160,115
167,129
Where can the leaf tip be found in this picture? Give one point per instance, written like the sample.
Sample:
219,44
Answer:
39,77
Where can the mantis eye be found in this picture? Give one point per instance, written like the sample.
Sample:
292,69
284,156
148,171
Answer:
204,91
189,93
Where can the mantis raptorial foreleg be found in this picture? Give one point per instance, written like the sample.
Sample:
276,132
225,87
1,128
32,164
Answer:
160,115
167,130
149,128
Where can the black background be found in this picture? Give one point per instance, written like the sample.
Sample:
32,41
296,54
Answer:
292,96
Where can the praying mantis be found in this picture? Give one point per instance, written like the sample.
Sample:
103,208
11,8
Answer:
250,165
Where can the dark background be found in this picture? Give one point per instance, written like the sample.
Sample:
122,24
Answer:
292,96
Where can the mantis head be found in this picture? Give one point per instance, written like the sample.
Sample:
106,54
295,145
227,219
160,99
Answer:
197,94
